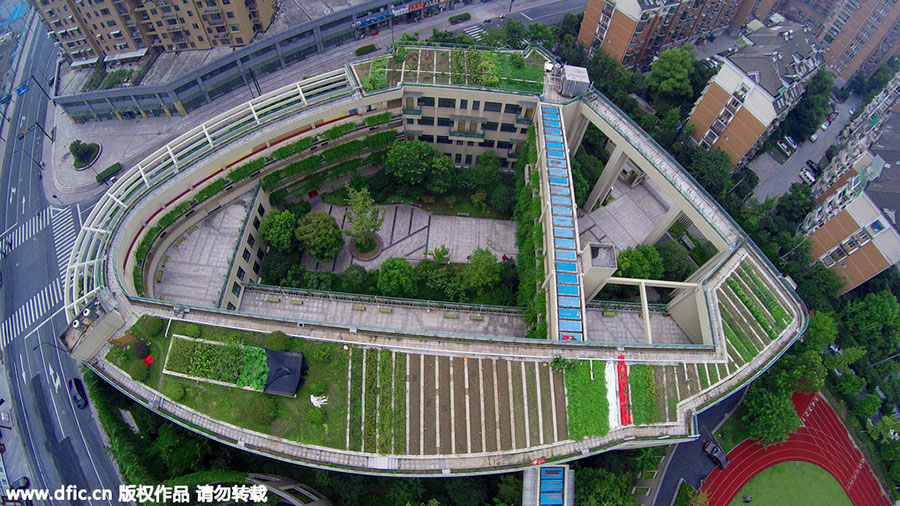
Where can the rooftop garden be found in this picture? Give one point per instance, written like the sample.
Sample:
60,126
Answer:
471,67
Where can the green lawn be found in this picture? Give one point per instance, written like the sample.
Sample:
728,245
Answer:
733,432
643,394
588,408
794,483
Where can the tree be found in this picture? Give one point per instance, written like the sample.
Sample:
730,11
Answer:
440,255
467,491
849,385
509,489
320,236
407,164
669,80
397,278
874,322
797,371
642,262
885,430
821,332
355,279
502,198
439,179
365,219
482,271
276,264
796,204
677,263
596,486
515,32
866,407
277,229
770,416
712,169
181,451
539,33
845,358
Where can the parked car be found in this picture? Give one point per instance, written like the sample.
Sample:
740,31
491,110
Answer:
832,116
20,484
814,166
716,454
807,176
814,137
76,392
790,141
826,125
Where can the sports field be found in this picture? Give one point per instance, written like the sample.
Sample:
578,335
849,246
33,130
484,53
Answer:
794,483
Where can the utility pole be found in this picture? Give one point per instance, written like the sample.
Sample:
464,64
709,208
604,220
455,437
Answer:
41,87
42,130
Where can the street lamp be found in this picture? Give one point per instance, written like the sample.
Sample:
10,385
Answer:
48,344
39,164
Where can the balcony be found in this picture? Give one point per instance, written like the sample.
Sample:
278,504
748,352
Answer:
512,155
523,121
412,112
462,133
216,22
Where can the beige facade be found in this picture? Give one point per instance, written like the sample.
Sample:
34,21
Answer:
248,253
860,36
109,30
634,31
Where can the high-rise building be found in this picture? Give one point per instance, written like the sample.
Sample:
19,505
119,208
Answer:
109,30
634,31
860,36
755,89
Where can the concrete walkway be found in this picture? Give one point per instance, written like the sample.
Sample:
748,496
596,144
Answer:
627,219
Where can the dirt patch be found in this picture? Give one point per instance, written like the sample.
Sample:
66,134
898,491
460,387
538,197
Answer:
460,429
546,402
429,424
658,379
444,416
475,405
503,401
413,409
534,418
518,397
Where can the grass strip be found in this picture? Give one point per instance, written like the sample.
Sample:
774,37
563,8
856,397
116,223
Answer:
765,295
713,374
643,394
752,308
385,396
400,403
740,341
588,408
371,400
704,380
356,384
518,401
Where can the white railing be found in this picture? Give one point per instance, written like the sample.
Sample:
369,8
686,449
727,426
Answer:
84,274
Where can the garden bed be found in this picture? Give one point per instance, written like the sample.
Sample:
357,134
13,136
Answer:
226,364
588,407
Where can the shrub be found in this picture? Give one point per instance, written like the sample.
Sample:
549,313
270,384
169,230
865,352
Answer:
140,349
377,77
459,18
277,341
148,327
315,416
305,166
137,277
400,54
368,48
143,249
345,150
109,172
323,353
246,170
293,148
255,368
378,119
205,194
169,218
263,411
138,370
173,391
380,140
114,79
318,388
339,131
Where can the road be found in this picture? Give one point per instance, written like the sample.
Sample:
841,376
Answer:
51,441
775,178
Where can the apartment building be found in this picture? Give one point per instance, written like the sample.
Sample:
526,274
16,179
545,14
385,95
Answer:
109,30
634,31
755,89
860,36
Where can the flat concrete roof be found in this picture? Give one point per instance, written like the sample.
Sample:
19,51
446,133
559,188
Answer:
170,66
290,13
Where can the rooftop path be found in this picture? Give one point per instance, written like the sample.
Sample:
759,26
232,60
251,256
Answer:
627,219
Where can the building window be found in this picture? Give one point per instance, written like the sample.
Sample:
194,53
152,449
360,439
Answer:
246,254
231,307
426,101
463,104
241,274
261,211
863,236
486,144
837,253
445,122
256,267
504,145
468,159
475,105
426,138
512,109
251,240
447,102
410,121
426,120
236,288
444,140
457,159
229,15
489,126
256,223
508,127
493,106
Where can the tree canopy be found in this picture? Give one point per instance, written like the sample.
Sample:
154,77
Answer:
482,271
416,165
278,228
397,278
642,262
770,416
669,80
320,236
365,219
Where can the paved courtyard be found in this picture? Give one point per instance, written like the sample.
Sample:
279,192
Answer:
409,231
627,219
196,269
628,327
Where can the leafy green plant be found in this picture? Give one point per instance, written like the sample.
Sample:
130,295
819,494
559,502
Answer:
752,308
323,353
293,148
146,244
315,416
345,150
368,48
380,140
255,368
339,131
377,78
246,170
138,370
643,394
588,408
210,191
173,391
378,119
371,400
385,392
305,166
317,388
169,218
108,172
277,341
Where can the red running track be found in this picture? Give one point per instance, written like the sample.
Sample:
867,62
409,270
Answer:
821,440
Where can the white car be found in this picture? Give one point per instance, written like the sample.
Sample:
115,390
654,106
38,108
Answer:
807,176
814,137
826,125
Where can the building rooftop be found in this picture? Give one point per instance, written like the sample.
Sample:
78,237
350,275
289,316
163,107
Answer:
777,56
885,190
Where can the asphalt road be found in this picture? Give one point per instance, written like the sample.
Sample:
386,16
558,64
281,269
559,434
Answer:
51,441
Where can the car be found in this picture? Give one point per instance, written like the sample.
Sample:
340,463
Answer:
790,141
20,484
716,454
814,166
832,116
814,137
826,125
76,392
851,111
807,176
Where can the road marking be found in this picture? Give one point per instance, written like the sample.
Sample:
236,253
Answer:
476,32
23,205
22,365
53,378
24,317
526,16
19,233
63,237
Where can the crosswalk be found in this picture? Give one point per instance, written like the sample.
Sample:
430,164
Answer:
21,233
33,310
476,32
63,236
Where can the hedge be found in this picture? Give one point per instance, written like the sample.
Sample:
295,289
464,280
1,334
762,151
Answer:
368,48
305,166
108,172
380,140
246,170
169,218
345,168
293,148
143,249
378,119
339,131
137,276
215,187
459,18
345,150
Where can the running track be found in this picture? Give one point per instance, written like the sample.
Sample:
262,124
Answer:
821,440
